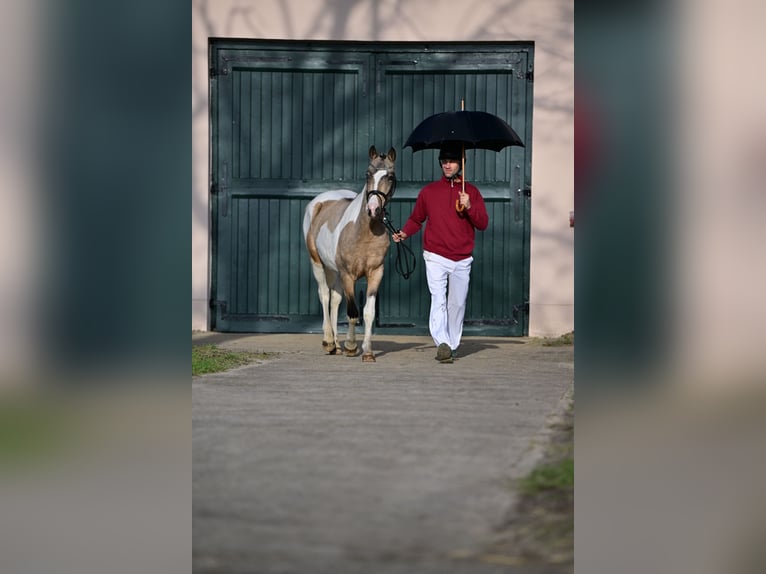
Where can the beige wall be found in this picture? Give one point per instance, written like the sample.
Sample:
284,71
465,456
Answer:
548,23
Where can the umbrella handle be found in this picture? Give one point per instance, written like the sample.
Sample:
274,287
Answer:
458,207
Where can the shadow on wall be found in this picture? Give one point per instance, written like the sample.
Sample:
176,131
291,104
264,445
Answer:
336,20
554,87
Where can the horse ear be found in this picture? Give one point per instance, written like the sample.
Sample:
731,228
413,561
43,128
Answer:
373,152
392,154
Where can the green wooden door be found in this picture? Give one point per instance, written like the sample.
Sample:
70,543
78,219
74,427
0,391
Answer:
292,119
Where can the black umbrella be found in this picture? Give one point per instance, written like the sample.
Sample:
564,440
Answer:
471,129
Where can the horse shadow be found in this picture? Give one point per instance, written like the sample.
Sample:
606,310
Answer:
215,338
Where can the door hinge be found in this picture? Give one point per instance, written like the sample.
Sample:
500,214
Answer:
520,308
219,189
217,192
527,192
531,76
219,305
221,69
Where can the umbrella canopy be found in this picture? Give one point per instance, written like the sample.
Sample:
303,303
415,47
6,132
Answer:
471,129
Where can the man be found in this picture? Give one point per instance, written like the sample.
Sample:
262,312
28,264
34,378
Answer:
448,241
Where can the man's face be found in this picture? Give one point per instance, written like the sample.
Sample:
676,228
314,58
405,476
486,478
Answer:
450,166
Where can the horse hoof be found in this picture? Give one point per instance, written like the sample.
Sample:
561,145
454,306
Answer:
368,358
329,348
350,352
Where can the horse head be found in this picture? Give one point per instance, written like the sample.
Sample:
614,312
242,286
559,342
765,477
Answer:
381,182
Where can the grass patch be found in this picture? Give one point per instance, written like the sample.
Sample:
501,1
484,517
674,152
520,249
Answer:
213,359
539,533
556,476
563,340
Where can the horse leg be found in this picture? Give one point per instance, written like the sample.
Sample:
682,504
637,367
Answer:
329,337
335,298
373,282
352,313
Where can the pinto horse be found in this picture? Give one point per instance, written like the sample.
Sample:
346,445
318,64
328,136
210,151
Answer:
346,240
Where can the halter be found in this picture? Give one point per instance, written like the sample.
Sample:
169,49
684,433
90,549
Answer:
408,267
384,198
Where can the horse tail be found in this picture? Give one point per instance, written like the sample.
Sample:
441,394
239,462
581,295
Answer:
307,216
311,210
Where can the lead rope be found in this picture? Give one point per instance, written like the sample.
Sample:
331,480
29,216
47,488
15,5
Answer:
408,267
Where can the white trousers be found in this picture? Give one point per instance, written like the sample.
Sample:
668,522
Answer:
448,283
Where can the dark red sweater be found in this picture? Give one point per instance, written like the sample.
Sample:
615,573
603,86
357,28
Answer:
448,233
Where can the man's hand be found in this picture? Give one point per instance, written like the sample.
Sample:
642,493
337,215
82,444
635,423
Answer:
399,236
464,201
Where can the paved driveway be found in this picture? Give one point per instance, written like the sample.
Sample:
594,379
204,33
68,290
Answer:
309,463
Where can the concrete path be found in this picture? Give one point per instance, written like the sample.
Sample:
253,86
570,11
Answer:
309,463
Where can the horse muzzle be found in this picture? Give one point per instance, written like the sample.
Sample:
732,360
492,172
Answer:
375,213
375,204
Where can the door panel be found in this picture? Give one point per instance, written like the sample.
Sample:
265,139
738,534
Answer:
292,119
415,86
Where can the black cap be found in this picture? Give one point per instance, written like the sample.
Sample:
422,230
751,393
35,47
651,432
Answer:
451,151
